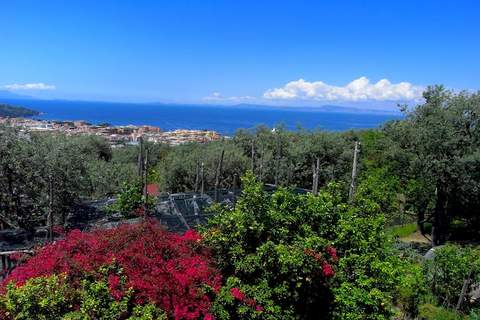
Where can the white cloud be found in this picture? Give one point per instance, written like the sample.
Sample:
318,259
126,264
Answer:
358,90
29,86
217,97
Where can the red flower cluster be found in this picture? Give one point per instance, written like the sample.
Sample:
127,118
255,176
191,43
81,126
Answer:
237,294
327,269
164,268
240,296
332,252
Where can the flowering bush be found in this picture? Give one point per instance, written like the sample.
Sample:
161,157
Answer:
173,272
274,255
278,256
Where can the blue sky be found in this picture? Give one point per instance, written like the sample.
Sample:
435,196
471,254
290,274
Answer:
238,51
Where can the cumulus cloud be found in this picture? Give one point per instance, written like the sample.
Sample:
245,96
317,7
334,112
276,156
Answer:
360,89
218,97
29,86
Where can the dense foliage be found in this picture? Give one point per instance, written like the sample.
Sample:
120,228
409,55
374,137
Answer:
438,145
301,256
105,272
284,254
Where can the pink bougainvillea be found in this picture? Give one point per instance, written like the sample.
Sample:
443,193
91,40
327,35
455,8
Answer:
332,252
327,270
241,297
237,294
167,269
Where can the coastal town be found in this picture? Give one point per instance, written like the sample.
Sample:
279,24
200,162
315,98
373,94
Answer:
116,135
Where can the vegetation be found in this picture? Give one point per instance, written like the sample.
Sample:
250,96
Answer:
109,274
285,254
7,110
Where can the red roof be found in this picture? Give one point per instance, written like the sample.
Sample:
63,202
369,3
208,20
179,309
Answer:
152,189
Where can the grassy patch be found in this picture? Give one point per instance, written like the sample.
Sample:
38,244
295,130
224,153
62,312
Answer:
402,230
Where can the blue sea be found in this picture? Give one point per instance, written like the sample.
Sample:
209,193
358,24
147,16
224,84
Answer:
223,119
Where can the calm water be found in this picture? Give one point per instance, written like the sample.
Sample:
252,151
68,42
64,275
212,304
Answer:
224,119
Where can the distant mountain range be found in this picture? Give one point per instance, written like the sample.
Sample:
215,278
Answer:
4,94
10,97
324,108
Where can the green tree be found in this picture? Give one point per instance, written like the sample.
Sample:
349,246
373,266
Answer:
440,139
274,247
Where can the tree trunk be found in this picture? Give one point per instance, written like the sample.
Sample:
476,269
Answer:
439,218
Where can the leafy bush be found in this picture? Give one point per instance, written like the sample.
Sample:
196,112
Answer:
412,289
270,251
368,268
131,201
40,298
446,272
51,298
108,269
280,251
431,312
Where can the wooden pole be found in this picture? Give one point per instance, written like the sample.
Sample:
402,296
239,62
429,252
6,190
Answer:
234,189
277,159
466,283
197,177
145,184
140,157
262,156
316,172
202,174
253,156
50,209
217,175
351,194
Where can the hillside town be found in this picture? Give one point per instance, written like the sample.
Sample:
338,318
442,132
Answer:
116,135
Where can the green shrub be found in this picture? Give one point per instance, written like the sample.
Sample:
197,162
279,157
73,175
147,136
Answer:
447,271
52,298
411,290
263,247
431,312
147,312
43,298
274,254
130,201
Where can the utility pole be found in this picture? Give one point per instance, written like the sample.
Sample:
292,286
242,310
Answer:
50,209
234,188
262,155
277,158
253,156
197,176
217,175
145,181
140,157
202,174
351,194
316,172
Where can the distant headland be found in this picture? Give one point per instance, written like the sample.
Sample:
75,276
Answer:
7,110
